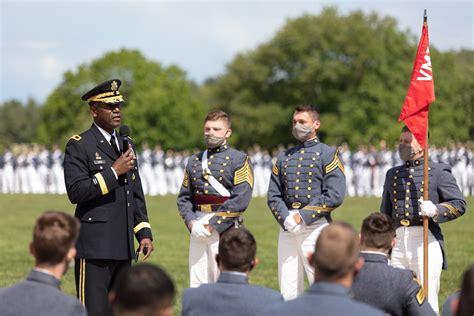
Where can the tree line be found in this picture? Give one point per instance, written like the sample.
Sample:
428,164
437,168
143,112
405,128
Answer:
354,68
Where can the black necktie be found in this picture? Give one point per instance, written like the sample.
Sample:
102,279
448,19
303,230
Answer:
114,145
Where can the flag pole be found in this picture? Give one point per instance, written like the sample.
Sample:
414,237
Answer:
426,196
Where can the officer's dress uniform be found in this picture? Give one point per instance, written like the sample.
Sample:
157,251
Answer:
402,189
395,291
309,179
111,210
198,198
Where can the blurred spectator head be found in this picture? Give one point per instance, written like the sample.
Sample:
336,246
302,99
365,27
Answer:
237,250
144,290
54,238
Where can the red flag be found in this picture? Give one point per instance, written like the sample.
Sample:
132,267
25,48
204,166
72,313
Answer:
420,92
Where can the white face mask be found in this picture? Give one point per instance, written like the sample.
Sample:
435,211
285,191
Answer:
302,132
213,141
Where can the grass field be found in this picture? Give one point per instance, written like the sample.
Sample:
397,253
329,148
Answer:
18,213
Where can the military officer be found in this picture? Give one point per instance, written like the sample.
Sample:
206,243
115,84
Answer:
402,192
306,184
216,190
395,291
106,186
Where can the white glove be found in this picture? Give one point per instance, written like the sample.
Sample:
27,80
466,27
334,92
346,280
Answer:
428,208
199,230
291,225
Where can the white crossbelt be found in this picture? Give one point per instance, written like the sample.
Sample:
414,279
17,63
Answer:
210,178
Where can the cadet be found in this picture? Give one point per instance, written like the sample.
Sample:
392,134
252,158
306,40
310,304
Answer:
395,291
106,187
306,184
216,190
403,189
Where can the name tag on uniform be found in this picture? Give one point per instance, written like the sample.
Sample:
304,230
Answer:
99,162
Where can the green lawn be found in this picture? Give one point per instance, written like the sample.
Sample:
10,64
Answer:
172,241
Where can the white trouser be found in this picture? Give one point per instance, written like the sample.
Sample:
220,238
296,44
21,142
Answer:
293,251
202,258
349,180
8,180
408,254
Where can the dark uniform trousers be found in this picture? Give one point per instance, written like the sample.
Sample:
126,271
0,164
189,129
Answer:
111,210
99,275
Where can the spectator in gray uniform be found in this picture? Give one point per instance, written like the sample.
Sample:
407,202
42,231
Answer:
395,291
54,236
336,261
232,294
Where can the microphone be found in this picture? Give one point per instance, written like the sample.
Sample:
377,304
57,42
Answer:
124,132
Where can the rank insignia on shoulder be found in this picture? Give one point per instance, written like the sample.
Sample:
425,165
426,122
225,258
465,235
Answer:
244,174
76,137
275,169
186,179
334,164
420,295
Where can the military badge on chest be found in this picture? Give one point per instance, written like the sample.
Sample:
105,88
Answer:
98,159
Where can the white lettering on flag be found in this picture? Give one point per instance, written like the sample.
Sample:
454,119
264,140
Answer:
426,66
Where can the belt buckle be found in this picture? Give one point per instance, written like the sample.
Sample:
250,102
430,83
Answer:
296,205
405,222
207,208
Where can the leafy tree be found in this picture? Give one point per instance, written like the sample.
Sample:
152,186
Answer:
355,68
160,102
18,122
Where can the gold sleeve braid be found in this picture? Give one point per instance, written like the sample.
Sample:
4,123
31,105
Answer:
186,179
334,164
451,209
244,174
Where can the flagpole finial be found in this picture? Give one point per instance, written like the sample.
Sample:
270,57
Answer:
425,17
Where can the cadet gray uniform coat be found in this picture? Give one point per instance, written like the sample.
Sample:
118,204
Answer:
231,295
325,299
38,295
309,178
395,291
404,186
232,169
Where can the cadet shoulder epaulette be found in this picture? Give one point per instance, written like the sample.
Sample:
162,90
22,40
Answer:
76,137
